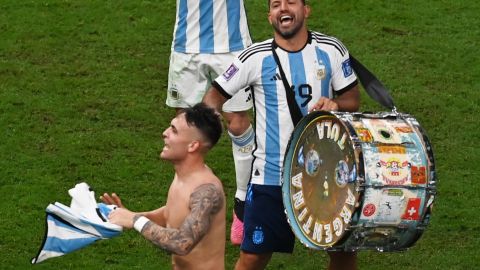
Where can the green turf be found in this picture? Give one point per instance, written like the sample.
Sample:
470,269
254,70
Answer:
82,90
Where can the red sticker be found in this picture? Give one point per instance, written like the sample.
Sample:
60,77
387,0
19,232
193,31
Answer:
411,212
369,210
419,175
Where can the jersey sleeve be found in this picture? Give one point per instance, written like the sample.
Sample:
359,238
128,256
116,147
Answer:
342,75
235,78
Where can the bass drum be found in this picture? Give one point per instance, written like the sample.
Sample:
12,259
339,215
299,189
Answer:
358,181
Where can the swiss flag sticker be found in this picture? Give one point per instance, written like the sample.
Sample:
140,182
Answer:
411,212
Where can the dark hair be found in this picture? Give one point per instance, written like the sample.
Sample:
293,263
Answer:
206,120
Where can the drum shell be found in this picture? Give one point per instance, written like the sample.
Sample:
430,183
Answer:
391,175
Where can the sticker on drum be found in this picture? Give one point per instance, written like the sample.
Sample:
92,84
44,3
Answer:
319,191
382,131
394,165
392,206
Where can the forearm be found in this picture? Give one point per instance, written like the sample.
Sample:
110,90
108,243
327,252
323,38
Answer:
349,101
177,241
157,216
214,99
347,105
205,202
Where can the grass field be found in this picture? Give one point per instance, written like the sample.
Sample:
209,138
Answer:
82,91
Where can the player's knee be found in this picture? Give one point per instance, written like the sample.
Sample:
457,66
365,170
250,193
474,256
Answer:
237,123
253,261
342,260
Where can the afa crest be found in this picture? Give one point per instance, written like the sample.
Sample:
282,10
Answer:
321,73
257,237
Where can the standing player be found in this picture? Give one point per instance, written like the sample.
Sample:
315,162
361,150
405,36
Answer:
297,70
208,34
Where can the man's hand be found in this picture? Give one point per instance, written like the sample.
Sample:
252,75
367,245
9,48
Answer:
347,101
122,217
324,104
112,199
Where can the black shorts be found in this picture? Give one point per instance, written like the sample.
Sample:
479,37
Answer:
266,228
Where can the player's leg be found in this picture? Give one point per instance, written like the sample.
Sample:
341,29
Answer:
243,141
235,112
342,260
242,146
266,227
252,261
186,81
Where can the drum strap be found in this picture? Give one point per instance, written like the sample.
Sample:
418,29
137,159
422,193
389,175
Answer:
295,112
374,88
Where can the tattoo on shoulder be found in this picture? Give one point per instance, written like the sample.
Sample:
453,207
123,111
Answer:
207,198
205,202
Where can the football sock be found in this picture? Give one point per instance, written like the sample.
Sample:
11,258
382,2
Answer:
242,147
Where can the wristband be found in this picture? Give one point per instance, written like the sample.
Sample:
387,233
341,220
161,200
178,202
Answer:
140,223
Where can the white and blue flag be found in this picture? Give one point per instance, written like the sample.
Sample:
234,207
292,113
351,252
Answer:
77,226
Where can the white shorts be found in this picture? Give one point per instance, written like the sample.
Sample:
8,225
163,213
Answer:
191,74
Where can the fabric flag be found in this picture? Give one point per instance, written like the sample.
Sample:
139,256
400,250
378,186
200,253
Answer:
77,226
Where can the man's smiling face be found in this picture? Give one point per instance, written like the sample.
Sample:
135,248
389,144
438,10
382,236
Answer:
287,16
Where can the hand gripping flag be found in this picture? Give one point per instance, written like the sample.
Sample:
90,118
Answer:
77,226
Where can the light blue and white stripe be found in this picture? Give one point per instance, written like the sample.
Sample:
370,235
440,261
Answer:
71,228
210,26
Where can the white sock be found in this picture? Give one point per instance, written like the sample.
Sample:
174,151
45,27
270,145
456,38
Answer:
242,147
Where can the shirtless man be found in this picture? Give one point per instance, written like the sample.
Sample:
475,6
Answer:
192,223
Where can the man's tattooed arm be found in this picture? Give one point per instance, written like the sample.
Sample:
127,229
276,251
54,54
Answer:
205,202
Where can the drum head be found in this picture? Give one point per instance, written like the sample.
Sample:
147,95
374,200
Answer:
319,180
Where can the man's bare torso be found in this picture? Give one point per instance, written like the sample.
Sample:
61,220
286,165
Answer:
209,253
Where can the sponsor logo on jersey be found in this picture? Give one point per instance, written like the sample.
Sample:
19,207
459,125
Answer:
230,72
347,68
276,77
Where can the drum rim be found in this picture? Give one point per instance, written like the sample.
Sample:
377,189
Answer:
296,134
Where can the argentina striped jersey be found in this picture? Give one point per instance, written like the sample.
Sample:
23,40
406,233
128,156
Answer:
319,69
210,26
